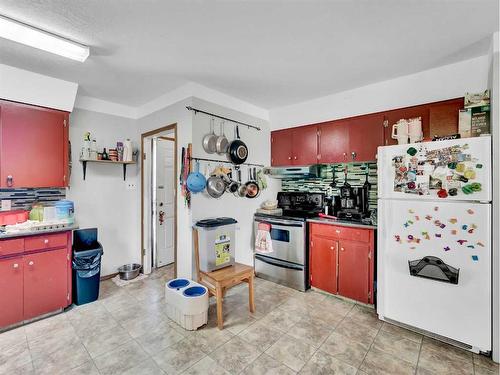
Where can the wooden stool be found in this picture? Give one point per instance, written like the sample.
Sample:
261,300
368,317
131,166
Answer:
217,282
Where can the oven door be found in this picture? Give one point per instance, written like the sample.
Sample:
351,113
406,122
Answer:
288,238
285,273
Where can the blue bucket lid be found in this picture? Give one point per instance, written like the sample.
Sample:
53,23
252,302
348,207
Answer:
194,291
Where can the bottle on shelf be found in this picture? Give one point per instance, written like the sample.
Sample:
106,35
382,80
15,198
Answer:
105,154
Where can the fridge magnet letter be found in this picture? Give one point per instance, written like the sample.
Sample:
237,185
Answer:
479,243
454,231
417,218
426,235
474,226
447,248
411,211
428,217
471,246
471,230
438,235
470,211
406,225
436,208
397,238
464,227
453,220
475,258
442,226
461,242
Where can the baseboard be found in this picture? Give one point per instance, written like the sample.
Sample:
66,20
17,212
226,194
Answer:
110,276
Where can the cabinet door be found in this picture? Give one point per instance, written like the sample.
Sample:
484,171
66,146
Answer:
334,141
392,117
366,134
281,147
33,146
323,256
305,145
443,117
45,282
11,291
354,270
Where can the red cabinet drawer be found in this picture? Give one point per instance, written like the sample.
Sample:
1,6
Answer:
340,232
46,241
13,246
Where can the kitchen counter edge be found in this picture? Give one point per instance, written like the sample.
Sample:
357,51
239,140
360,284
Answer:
341,223
38,232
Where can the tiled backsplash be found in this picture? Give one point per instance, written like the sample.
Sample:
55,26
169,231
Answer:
356,176
24,198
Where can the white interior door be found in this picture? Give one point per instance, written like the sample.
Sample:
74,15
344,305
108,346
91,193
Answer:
164,202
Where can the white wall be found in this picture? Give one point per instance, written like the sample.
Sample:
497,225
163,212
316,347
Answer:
27,87
446,82
241,209
102,200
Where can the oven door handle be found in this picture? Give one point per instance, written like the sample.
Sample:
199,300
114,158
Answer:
279,263
284,223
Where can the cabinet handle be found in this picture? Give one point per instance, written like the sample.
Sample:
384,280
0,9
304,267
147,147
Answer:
353,155
337,231
10,181
331,247
342,249
345,155
31,263
15,265
294,158
46,241
289,158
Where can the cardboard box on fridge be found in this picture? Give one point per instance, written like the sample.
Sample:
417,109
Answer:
474,122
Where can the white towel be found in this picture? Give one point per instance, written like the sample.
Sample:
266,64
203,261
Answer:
263,242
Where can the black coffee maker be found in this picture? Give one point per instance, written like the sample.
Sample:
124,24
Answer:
352,202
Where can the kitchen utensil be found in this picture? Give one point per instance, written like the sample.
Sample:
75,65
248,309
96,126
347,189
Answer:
215,186
196,181
210,140
238,150
400,131
261,180
253,189
242,189
269,204
233,185
129,271
415,129
221,144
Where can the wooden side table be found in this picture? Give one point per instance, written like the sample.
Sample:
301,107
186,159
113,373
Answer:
217,282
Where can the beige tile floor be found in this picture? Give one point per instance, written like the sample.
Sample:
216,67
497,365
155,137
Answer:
128,332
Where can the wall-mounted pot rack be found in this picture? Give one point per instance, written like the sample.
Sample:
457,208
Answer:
196,110
226,162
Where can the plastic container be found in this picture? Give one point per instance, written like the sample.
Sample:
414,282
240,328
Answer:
216,243
87,253
187,303
65,210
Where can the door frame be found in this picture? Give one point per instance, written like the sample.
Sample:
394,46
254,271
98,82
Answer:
143,203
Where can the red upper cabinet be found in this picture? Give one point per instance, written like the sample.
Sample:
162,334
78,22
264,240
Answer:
34,146
366,134
11,286
333,141
281,147
323,267
305,145
296,146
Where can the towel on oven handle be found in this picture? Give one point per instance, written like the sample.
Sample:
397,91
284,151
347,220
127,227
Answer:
263,242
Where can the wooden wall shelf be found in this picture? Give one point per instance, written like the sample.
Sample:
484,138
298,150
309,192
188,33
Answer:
123,163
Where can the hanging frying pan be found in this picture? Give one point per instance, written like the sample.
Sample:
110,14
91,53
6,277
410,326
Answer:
253,189
238,150
210,140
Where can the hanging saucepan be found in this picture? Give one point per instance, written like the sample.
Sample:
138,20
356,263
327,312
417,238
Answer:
222,144
216,186
196,181
253,189
242,189
233,185
210,140
238,150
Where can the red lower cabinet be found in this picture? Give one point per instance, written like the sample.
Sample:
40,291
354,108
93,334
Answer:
342,260
45,282
323,264
37,280
11,291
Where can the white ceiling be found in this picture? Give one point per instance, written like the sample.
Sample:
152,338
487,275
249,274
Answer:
269,53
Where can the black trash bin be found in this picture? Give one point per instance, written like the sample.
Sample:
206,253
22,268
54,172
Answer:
87,253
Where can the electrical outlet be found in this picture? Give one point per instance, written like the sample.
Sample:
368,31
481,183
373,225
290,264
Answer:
131,185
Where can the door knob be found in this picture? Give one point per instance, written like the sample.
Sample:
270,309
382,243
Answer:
10,181
294,158
289,158
337,231
15,265
46,241
353,154
31,263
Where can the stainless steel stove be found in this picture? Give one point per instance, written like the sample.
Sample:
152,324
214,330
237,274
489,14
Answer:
288,264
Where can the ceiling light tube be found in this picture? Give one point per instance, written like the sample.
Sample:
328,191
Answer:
36,38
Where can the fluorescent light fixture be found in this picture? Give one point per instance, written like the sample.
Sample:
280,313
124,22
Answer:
36,38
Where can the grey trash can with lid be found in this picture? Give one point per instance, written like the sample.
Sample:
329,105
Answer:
216,243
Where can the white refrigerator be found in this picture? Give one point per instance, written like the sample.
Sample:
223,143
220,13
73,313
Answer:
434,239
